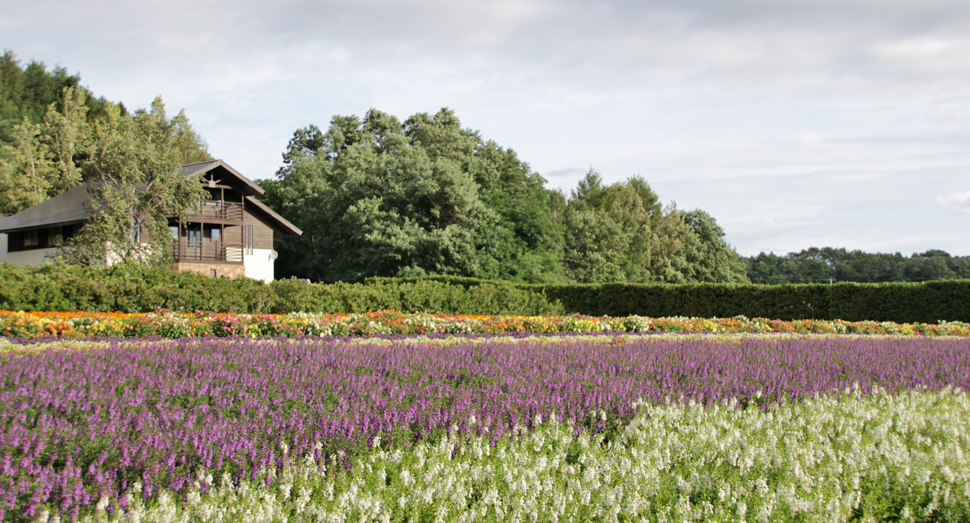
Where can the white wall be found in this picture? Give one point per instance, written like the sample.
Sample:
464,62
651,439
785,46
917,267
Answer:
33,257
259,264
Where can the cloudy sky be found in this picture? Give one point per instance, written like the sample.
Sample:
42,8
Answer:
796,123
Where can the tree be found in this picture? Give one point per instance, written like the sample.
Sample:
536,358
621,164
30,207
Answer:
609,230
378,197
596,247
26,170
65,132
814,265
132,170
621,233
709,256
42,162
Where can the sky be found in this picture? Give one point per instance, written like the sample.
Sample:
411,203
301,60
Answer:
795,123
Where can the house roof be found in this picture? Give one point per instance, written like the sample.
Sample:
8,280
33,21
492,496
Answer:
284,225
219,167
68,207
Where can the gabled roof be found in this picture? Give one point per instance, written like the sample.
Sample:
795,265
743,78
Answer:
68,207
284,225
221,168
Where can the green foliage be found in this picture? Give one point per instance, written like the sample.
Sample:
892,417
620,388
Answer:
54,135
41,161
609,231
926,302
133,177
377,197
44,118
137,288
27,92
816,265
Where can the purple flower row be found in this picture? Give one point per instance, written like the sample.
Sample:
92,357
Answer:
77,425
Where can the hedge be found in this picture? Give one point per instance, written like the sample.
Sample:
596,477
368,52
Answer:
132,288
902,302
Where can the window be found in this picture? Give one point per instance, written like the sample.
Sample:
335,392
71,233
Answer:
216,235
31,238
212,273
249,239
174,229
195,237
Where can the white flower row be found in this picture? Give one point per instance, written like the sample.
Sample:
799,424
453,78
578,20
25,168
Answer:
871,457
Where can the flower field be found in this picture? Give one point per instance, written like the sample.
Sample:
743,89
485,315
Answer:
608,427
176,325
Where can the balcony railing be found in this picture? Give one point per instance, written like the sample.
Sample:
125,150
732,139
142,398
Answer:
217,211
205,250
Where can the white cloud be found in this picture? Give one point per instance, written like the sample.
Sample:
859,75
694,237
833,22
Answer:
957,201
794,122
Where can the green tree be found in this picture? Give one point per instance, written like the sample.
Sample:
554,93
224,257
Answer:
132,170
44,118
622,233
609,230
41,163
710,258
814,265
26,170
378,197
27,92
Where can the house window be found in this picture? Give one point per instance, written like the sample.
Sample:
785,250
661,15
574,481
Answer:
216,235
174,229
212,273
195,237
31,238
249,239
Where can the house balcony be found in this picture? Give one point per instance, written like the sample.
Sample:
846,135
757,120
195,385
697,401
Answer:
207,251
216,211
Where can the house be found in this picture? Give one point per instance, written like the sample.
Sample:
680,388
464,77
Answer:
232,235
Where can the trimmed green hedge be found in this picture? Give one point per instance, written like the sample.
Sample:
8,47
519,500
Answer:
926,302
128,288
133,288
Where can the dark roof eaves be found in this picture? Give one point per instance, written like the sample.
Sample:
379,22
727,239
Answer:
285,224
46,213
219,163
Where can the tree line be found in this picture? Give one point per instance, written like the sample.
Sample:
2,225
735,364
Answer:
376,196
829,264
55,135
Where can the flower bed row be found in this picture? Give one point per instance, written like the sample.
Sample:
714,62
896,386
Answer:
820,460
80,426
176,325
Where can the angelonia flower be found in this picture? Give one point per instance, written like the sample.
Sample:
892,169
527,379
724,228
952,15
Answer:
84,424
